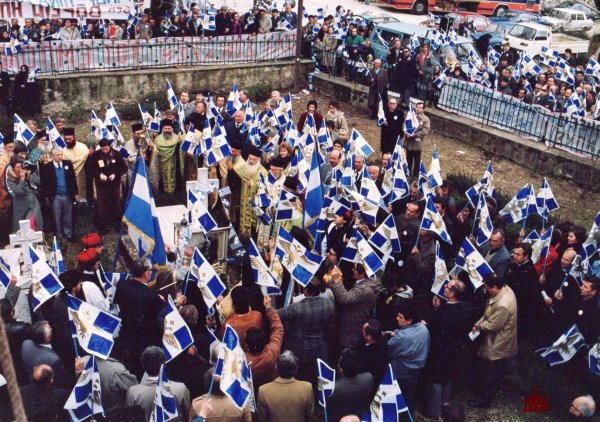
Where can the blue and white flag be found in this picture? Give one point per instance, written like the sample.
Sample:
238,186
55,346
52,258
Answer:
86,398
563,349
423,182
440,277
435,170
21,132
528,67
209,22
141,217
212,112
155,123
486,184
262,216
313,203
470,260
367,208
411,123
111,117
283,112
385,238
165,404
546,203
565,72
594,359
171,97
93,328
5,274
285,208
1,141
56,258
44,283
441,79
575,105
388,401
206,278
593,68
300,262
219,147
358,250
190,143
325,382
432,221
54,135
532,237
233,369
263,276
284,25
548,57
484,226
591,243
361,146
493,56
517,208
109,282
233,101
380,113
541,247
98,128
14,46
132,20
200,217
177,336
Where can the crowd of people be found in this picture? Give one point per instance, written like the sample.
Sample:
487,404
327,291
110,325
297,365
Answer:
356,321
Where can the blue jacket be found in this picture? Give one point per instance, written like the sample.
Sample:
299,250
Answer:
408,348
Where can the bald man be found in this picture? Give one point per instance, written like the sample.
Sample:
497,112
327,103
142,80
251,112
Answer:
42,400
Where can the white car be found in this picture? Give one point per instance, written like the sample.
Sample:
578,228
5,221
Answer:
568,20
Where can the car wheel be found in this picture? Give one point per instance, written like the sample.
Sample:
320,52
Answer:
500,11
420,7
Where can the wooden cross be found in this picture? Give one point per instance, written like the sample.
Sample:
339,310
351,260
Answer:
24,237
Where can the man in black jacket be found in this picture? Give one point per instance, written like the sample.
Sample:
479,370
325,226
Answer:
392,128
523,280
59,187
4,91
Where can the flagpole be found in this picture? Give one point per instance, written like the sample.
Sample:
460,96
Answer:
75,346
212,382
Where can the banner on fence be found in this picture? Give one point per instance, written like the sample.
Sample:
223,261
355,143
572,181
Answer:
97,55
65,9
575,134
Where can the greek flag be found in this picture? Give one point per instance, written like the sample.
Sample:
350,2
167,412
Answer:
171,97
432,221
470,260
44,283
541,247
200,217
219,147
576,105
366,206
284,25
400,188
12,47
485,184
591,243
262,216
5,274
532,237
529,68
155,123
545,200
300,262
380,113
433,19
414,44
165,404
21,132
54,135
369,189
494,56
110,281
190,144
233,101
594,359
285,209
98,128
32,76
313,203
323,137
233,369
440,277
176,334
565,72
111,118
93,328
548,57
360,144
86,398
212,112
359,250
388,401
132,20
435,170
563,349
263,276
209,22
56,258
485,226
385,238
411,123
325,382
451,37
141,217
283,112
423,181
517,208
205,277
593,68
441,80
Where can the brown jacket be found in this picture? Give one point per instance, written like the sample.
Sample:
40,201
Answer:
263,365
499,326
286,400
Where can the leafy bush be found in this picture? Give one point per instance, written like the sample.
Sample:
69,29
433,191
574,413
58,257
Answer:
75,112
129,111
158,97
259,93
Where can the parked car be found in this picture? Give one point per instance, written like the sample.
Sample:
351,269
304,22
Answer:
374,18
569,20
479,21
591,13
520,17
498,31
531,37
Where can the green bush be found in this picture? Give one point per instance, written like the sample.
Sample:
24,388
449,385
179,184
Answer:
158,97
76,112
259,93
130,111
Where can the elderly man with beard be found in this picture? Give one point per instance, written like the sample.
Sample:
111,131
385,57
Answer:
107,166
138,142
77,153
250,175
42,152
166,144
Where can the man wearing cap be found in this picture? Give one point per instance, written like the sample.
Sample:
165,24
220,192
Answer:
249,173
77,153
106,167
166,144
59,189
138,142
222,21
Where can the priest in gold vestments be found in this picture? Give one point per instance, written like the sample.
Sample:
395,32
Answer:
249,173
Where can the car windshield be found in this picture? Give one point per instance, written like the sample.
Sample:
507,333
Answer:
558,14
496,29
523,32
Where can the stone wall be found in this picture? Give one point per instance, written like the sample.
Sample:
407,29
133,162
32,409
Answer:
91,88
530,154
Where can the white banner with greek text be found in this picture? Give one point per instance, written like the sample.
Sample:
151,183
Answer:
66,9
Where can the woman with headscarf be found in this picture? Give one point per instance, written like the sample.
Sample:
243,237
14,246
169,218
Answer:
23,186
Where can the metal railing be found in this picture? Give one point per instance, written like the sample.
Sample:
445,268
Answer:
574,134
339,65
61,57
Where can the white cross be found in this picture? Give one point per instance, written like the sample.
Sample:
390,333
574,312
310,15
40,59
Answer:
24,237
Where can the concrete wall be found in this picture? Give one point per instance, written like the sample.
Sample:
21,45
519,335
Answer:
530,154
91,88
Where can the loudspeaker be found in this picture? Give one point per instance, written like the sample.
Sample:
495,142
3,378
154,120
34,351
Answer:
446,23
